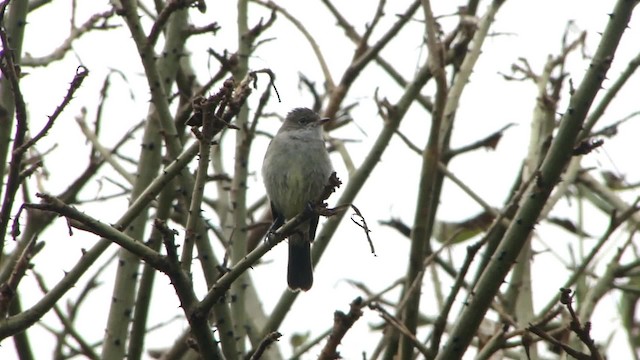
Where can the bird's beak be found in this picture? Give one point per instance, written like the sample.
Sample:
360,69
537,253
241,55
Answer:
324,121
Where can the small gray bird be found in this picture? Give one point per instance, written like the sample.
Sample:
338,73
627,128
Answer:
295,171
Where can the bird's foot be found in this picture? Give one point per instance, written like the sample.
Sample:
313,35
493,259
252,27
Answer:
277,223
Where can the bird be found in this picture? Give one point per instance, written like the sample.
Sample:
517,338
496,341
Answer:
295,171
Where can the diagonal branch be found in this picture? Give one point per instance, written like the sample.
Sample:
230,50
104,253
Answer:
538,192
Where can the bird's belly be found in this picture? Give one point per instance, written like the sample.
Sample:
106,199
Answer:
296,191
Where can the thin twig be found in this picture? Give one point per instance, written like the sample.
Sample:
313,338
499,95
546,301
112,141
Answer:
314,46
75,34
264,344
399,326
341,324
170,7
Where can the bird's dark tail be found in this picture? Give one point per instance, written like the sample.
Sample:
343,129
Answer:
300,270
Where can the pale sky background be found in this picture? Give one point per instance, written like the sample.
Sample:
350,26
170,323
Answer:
529,29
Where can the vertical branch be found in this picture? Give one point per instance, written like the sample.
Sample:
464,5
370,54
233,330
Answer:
13,25
11,103
123,296
425,204
200,330
194,225
158,119
519,294
143,299
444,114
238,237
462,78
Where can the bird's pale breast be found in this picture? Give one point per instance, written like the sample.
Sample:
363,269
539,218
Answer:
304,170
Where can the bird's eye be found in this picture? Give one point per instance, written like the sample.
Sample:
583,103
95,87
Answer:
304,120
